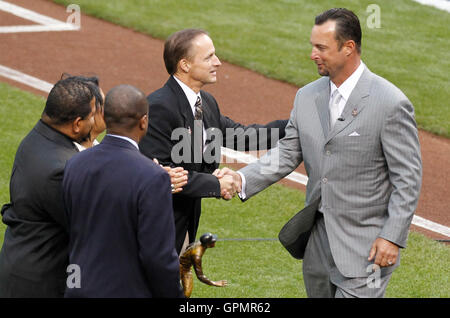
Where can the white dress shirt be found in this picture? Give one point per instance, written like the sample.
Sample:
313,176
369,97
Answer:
81,147
345,90
192,99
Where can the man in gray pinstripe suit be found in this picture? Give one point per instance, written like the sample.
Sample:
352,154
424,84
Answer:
357,136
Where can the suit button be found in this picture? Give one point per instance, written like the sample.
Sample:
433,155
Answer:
324,180
328,152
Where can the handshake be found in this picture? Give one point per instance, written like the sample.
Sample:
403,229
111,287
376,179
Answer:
230,182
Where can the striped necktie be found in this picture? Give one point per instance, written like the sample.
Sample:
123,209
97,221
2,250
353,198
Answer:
198,131
198,111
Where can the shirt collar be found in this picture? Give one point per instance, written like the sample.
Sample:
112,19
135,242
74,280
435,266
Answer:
134,143
190,94
349,84
81,147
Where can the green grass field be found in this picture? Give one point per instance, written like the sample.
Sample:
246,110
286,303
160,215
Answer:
19,112
411,49
253,268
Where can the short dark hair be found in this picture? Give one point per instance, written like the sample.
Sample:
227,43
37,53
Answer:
347,25
125,105
178,46
71,98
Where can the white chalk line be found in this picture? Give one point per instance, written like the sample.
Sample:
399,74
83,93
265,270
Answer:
46,24
440,4
25,79
238,156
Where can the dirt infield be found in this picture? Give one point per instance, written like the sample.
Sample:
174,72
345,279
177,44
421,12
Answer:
118,55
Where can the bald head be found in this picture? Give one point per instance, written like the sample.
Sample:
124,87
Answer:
125,106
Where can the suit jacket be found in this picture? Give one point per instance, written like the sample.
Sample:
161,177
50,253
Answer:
169,111
122,235
366,170
34,256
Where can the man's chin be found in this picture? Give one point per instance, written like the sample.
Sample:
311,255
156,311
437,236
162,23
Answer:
323,72
210,81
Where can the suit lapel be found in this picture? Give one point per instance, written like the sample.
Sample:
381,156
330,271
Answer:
322,104
183,103
207,116
354,105
184,108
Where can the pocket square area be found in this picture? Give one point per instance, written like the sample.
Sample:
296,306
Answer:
354,134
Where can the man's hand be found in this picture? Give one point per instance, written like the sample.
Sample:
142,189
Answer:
178,177
220,173
386,252
227,188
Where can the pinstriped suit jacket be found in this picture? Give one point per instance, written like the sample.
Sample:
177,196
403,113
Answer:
367,169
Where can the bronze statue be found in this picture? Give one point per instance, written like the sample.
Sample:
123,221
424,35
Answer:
193,257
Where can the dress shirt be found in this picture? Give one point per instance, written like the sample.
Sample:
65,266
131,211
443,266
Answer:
81,147
346,87
192,99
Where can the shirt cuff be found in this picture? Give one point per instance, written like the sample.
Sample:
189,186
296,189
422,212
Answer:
242,194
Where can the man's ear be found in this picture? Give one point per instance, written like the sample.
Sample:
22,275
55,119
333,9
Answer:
143,122
184,65
349,47
76,125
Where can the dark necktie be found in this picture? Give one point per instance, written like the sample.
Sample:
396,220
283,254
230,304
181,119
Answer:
198,109
198,133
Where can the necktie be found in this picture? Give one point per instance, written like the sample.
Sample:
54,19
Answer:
198,131
198,115
334,107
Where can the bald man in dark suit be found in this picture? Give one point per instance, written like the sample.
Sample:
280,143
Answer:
119,205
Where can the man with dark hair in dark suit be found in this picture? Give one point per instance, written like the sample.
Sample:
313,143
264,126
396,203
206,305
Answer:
34,256
119,206
181,105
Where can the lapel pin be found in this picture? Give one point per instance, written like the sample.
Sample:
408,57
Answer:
354,112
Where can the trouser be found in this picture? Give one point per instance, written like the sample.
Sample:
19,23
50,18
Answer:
187,217
322,277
